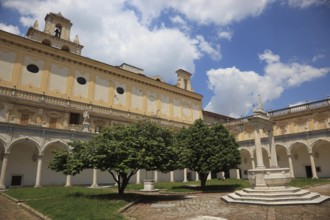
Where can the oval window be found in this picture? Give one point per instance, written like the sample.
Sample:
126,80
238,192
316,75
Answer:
32,68
120,90
81,80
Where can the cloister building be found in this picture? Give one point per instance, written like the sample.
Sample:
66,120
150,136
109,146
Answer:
50,95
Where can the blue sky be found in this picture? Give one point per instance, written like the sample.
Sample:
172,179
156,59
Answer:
235,49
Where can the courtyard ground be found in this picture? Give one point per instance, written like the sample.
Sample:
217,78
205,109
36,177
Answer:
208,206
201,206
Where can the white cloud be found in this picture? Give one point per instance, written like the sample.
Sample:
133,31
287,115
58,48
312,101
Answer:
306,3
112,33
225,34
180,22
10,28
235,91
207,11
318,57
206,47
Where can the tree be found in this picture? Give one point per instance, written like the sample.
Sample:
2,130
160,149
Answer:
122,151
207,149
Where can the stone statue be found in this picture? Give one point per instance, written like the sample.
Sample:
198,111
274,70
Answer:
85,116
36,25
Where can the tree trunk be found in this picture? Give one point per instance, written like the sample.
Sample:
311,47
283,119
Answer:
203,178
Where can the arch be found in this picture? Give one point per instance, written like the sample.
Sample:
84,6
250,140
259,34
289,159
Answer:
66,48
292,146
46,42
58,30
321,154
282,155
62,143
316,143
301,162
48,176
22,140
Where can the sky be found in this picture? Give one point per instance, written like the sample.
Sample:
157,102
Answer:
235,49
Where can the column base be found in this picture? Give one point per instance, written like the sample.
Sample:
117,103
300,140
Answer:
2,187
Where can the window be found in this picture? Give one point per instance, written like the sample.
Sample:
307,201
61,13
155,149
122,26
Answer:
32,68
58,30
25,119
185,82
16,180
81,80
74,118
52,122
318,169
120,90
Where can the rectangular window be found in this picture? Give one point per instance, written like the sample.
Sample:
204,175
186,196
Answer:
16,180
318,169
52,122
25,119
74,118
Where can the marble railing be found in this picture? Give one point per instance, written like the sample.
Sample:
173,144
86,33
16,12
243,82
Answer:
291,109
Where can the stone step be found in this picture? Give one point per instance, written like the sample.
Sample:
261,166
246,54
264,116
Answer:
278,190
309,196
317,200
273,194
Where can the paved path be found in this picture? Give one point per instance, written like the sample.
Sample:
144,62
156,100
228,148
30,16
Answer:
195,206
9,210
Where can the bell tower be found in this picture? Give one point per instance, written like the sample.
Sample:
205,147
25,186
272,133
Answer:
56,33
183,79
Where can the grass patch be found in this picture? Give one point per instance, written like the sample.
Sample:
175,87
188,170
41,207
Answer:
74,202
304,182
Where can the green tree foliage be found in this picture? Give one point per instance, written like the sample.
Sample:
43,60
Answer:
207,149
122,151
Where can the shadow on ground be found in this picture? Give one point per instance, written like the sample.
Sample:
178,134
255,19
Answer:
211,188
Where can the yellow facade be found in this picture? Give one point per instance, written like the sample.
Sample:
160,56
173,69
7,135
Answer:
64,83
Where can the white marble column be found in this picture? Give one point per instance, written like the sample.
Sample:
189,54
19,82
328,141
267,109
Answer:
290,165
197,177
39,167
272,148
238,174
311,157
156,176
253,163
260,162
185,179
68,181
138,177
3,171
94,184
172,176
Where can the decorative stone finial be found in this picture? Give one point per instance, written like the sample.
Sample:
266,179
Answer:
36,25
259,103
76,39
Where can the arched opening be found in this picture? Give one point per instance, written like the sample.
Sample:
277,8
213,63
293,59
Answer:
282,156
300,160
321,153
66,48
246,163
46,42
22,163
58,30
48,176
